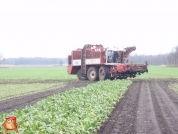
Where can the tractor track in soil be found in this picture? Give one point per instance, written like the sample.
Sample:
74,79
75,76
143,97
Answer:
148,107
20,102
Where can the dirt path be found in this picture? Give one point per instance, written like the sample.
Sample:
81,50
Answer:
149,107
26,100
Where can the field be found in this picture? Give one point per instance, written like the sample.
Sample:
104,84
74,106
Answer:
160,72
15,80
51,73
48,100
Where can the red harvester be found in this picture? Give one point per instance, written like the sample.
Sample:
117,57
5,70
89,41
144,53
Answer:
94,62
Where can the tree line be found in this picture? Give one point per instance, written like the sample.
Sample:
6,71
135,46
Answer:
169,59
34,61
172,58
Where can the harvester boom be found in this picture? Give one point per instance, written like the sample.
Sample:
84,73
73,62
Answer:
128,50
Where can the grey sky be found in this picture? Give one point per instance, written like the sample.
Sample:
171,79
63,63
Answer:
52,28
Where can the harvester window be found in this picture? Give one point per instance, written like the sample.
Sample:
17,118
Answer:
115,57
110,56
69,60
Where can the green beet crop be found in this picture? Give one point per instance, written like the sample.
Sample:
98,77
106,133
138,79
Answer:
80,110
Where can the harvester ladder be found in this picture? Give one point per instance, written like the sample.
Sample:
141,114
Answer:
83,61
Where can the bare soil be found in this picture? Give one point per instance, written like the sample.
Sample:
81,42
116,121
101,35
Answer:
149,107
30,99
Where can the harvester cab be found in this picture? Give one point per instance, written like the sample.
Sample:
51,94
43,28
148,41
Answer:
114,55
94,62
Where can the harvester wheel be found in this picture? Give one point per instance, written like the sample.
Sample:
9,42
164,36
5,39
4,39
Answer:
125,77
103,73
92,73
80,77
112,78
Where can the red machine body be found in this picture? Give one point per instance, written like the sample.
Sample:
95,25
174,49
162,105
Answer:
94,62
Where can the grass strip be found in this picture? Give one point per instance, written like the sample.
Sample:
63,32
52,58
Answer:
37,73
159,72
14,90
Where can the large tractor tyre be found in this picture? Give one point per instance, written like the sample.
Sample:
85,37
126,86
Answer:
80,77
103,73
92,73
112,78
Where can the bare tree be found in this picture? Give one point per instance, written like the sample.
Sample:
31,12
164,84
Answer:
172,58
60,62
1,58
176,55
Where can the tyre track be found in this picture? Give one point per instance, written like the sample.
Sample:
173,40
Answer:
148,107
146,118
172,95
168,110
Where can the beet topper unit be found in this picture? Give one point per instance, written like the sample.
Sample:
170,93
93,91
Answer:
94,62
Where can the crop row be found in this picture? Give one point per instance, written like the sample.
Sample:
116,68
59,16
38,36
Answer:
80,110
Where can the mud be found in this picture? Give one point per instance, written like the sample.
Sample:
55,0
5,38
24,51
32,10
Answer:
149,107
26,100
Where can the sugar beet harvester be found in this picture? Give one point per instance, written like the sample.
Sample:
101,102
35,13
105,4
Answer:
94,62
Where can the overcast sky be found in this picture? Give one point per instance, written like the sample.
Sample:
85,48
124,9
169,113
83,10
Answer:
52,28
